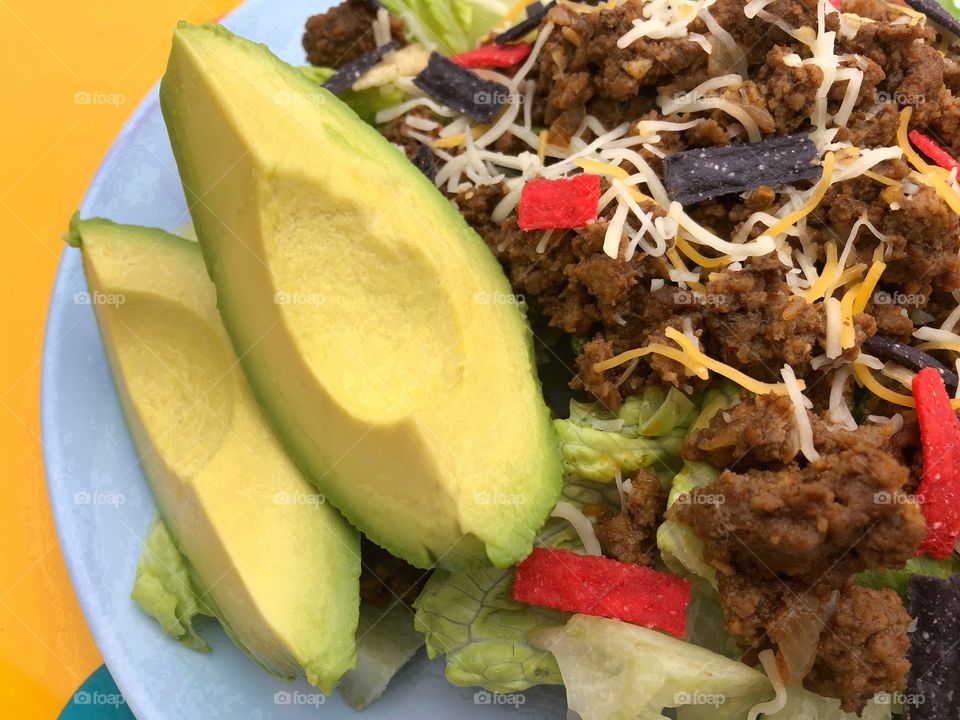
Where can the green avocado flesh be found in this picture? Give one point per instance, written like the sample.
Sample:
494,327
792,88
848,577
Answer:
277,566
376,328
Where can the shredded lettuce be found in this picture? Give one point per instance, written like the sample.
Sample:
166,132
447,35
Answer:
897,579
386,641
448,26
473,620
680,549
613,671
365,103
646,432
164,589
706,625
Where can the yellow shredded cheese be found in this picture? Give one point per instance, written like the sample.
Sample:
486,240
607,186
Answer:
678,355
866,289
513,13
811,203
692,358
458,139
542,146
601,168
700,259
754,386
678,263
881,178
850,274
867,379
848,334
829,274
928,174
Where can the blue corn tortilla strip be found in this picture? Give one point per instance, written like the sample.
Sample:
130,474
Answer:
888,349
426,162
933,685
461,89
936,12
346,76
704,173
535,13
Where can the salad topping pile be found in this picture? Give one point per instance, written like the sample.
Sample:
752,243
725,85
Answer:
743,212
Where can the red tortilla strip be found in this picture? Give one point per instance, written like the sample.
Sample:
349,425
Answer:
595,585
559,204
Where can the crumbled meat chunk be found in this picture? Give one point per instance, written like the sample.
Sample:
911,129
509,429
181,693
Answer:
631,536
755,431
862,649
843,513
344,33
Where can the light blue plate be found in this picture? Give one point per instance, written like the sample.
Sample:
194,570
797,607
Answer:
100,499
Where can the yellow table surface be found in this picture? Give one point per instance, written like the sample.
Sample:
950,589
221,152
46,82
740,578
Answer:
51,54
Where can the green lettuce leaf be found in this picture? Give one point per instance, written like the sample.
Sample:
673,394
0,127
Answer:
473,620
897,579
680,549
614,670
365,103
448,26
164,590
386,641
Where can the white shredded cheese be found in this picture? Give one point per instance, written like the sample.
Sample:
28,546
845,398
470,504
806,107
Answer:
838,409
581,523
769,662
800,413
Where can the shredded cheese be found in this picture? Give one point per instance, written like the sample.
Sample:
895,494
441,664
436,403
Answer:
700,259
829,274
763,245
866,289
581,523
816,195
848,335
800,413
834,327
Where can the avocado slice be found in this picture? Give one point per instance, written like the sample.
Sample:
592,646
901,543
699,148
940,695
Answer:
278,566
377,330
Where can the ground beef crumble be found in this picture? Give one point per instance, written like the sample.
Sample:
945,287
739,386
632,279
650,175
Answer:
344,33
631,535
